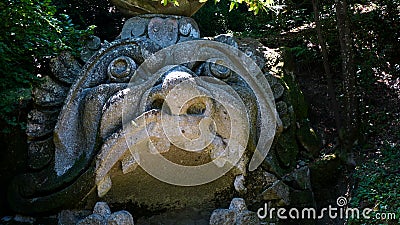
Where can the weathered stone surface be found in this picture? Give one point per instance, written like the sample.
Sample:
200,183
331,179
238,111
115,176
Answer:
251,49
40,123
278,90
24,219
40,153
271,79
111,120
135,27
92,45
93,219
188,29
269,178
163,32
282,108
102,209
102,216
148,47
77,128
247,218
120,218
121,69
237,214
128,164
217,70
71,217
238,205
239,184
227,39
223,217
115,147
103,186
65,68
285,113
49,93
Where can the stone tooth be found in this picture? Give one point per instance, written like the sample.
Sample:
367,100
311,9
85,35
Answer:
104,186
128,163
239,184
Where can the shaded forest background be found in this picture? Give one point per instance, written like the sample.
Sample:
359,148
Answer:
34,31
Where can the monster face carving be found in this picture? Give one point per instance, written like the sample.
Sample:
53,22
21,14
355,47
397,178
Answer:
148,114
175,102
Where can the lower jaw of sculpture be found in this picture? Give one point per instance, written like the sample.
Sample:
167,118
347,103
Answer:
128,182
140,188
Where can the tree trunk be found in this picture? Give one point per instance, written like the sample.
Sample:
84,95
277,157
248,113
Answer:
330,86
349,134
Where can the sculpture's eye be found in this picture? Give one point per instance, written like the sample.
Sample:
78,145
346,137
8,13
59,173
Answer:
121,69
219,71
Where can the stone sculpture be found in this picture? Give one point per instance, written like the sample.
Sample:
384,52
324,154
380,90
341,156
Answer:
79,139
138,7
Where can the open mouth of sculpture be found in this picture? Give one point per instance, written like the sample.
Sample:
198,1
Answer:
186,123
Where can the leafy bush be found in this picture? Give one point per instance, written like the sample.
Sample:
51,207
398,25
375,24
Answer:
378,182
32,31
102,13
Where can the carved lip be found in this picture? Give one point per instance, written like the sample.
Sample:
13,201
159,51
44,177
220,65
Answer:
138,7
148,127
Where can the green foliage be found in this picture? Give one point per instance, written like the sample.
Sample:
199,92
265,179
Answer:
235,16
32,31
253,5
377,37
378,184
216,19
102,13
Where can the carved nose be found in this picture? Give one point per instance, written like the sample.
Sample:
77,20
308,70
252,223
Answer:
179,94
173,79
